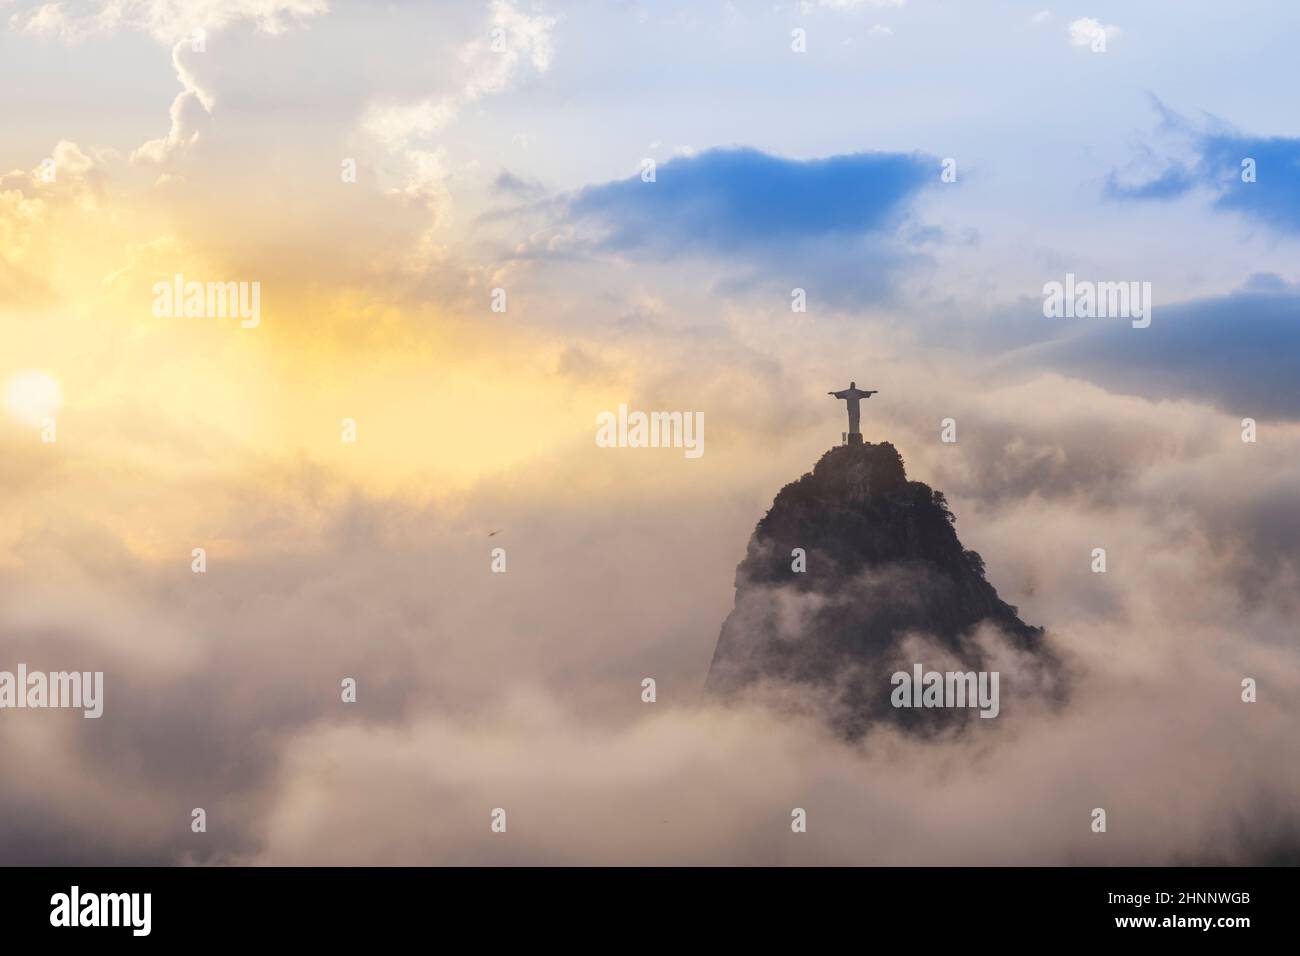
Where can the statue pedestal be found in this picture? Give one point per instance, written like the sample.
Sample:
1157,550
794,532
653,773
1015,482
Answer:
855,438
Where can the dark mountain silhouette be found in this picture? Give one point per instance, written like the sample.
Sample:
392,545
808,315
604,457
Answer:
883,562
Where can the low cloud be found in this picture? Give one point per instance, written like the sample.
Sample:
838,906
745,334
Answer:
1237,351
522,690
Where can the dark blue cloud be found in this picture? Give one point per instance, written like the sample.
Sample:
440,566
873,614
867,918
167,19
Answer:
729,199
1273,197
1240,352
836,221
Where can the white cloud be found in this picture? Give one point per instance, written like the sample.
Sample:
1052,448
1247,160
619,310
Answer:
1042,16
1087,31
425,182
165,20
188,109
395,125
49,20
514,40
807,5
176,23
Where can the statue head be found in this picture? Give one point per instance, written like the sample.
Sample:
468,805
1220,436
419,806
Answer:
853,384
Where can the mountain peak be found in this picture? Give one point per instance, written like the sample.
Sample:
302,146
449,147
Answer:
852,565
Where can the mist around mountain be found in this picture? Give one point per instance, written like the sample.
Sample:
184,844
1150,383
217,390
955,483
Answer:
854,574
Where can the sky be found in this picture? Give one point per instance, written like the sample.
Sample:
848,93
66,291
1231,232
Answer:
387,172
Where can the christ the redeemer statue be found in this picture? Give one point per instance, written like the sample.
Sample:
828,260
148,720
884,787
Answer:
853,395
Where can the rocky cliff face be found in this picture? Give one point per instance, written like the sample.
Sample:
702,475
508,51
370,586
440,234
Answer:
886,581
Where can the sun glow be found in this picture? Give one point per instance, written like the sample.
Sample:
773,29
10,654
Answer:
31,397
